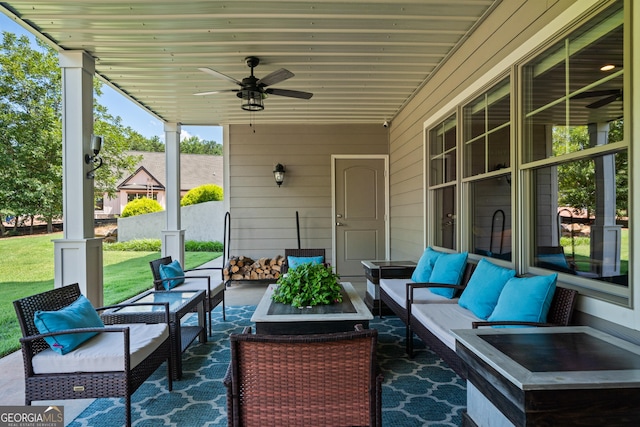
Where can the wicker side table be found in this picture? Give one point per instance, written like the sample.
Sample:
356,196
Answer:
180,304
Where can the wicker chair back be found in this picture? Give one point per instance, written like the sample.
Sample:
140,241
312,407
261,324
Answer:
304,380
301,253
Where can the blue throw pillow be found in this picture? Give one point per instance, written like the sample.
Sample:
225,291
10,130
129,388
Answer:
169,271
294,261
525,299
78,314
448,270
423,270
480,296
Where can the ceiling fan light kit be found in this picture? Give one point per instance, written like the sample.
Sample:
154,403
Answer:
251,100
253,90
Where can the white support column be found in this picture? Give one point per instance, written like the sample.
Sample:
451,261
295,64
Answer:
173,236
78,255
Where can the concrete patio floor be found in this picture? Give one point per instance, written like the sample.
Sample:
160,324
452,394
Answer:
11,367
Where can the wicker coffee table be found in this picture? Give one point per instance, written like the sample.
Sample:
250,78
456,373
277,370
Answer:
180,304
276,318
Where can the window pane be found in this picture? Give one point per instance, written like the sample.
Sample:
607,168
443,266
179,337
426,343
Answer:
487,131
490,201
475,157
445,215
442,152
567,87
581,225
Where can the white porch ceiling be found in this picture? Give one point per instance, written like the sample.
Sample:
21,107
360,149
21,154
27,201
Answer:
362,60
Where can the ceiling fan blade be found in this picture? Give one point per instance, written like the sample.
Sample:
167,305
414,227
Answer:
597,93
289,93
602,102
219,75
275,77
216,91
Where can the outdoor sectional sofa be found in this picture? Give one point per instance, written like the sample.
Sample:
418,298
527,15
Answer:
432,316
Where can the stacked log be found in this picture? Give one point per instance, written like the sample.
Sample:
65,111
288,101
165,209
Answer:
245,268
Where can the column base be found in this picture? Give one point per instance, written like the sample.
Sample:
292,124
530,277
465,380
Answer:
173,245
80,261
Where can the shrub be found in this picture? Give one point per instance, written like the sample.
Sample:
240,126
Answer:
196,246
201,194
141,206
154,245
139,245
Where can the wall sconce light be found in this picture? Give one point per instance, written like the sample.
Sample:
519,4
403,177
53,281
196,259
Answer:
96,145
278,174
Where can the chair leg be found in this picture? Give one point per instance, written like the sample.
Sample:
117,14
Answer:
224,313
127,408
409,342
210,327
169,373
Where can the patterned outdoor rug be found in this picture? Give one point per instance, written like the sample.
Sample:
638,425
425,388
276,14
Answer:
418,392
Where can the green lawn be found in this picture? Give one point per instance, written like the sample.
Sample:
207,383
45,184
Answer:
582,247
26,268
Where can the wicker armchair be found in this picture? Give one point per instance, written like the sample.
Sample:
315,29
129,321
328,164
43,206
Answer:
82,374
304,380
301,253
214,295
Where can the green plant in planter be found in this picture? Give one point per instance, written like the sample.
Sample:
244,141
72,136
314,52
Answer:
308,285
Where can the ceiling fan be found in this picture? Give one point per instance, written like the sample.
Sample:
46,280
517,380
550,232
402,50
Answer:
253,90
607,96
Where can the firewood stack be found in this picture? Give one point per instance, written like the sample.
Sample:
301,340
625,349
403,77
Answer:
245,268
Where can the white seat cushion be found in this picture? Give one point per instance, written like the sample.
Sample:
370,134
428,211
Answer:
397,290
440,319
200,285
104,352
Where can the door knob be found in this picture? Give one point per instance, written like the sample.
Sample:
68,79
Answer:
339,216
339,224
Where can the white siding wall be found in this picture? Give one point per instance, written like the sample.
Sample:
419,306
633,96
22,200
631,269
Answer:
511,24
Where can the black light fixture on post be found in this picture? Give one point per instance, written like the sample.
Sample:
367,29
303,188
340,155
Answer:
96,145
278,174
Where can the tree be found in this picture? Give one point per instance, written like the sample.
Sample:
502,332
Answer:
138,142
576,179
194,145
30,99
31,141
116,142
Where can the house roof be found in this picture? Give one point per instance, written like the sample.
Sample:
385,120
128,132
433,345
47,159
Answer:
195,170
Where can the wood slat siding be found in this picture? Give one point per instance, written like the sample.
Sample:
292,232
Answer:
511,24
263,215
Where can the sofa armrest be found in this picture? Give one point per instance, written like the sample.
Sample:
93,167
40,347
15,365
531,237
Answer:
415,285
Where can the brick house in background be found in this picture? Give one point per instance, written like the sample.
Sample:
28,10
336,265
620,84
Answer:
148,180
